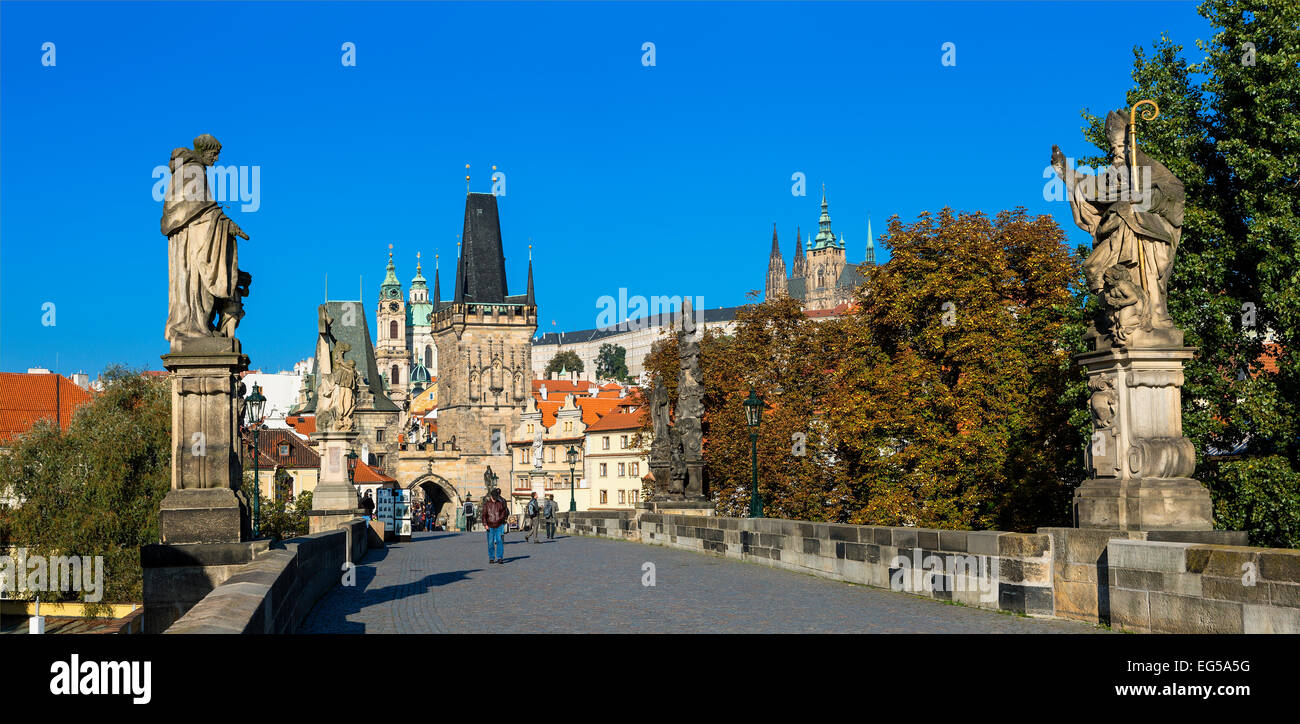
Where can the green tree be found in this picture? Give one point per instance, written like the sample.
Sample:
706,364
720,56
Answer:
567,360
95,490
611,363
1229,128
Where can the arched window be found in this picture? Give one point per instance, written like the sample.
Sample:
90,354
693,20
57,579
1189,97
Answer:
428,357
395,379
392,331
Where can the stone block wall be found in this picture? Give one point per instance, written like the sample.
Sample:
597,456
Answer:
1165,587
276,591
988,569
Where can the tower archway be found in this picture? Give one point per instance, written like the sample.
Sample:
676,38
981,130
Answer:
439,492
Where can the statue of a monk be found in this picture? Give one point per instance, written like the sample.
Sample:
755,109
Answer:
1136,225
205,285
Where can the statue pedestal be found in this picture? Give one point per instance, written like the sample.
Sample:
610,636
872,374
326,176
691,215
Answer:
1139,462
335,498
205,504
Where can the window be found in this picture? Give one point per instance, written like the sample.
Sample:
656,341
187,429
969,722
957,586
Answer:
428,356
392,331
284,449
634,496
604,497
395,377
379,460
622,470
604,472
621,496
379,435
550,454
530,429
623,442
497,442
636,470
604,443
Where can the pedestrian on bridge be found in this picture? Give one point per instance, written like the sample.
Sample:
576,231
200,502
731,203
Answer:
534,513
469,515
548,516
494,520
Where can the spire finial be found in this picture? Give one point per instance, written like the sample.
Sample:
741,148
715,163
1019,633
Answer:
467,178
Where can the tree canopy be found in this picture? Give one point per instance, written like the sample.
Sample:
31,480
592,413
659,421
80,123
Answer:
566,360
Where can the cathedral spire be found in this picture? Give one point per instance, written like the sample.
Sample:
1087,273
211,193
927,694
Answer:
798,270
776,250
390,288
437,286
871,245
825,237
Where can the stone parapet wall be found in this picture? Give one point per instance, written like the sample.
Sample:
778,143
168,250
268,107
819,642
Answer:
1145,581
1162,587
276,591
988,569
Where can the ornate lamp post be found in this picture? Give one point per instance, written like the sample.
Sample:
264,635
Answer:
754,414
352,465
572,457
255,402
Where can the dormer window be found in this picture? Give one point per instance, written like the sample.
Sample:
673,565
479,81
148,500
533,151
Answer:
283,450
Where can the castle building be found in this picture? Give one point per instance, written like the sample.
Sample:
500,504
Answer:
821,277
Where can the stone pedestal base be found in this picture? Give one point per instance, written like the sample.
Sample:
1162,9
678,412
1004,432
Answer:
680,507
326,520
175,577
203,515
1143,504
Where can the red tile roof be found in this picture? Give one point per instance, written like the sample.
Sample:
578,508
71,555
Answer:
268,444
26,399
618,421
365,473
304,424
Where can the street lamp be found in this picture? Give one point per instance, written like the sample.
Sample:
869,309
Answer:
572,457
754,415
352,465
255,402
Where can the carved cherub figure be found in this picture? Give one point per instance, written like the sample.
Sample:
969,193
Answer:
1126,304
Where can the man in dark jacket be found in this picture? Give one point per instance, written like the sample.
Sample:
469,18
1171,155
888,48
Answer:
469,515
549,509
494,519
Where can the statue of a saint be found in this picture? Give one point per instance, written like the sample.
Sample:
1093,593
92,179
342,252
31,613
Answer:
337,378
537,451
1134,211
205,285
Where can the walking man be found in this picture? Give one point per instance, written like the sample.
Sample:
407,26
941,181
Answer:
494,519
469,515
534,513
548,516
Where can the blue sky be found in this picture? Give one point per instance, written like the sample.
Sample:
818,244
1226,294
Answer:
661,180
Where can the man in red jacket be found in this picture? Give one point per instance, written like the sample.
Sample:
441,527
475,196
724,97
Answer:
494,519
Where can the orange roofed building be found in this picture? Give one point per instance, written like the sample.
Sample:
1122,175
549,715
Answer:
27,398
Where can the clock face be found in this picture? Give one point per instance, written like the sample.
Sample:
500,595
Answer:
392,306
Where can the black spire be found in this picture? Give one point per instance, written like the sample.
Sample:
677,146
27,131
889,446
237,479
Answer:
437,285
481,269
529,300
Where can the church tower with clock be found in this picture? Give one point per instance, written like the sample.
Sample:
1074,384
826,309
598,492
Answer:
392,354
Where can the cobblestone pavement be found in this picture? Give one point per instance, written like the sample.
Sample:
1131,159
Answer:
441,583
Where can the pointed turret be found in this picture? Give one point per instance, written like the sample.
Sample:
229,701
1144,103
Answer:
437,286
528,298
390,288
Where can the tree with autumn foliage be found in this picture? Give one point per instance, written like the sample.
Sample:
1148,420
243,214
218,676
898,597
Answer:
946,396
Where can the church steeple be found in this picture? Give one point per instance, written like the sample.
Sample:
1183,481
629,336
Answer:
825,237
871,245
800,261
391,288
776,280
437,287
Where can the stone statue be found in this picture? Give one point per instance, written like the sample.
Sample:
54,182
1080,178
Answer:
487,481
337,379
660,446
1134,211
205,284
1103,401
690,411
537,451
1126,305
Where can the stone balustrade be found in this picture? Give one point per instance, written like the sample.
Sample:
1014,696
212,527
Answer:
1146,581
